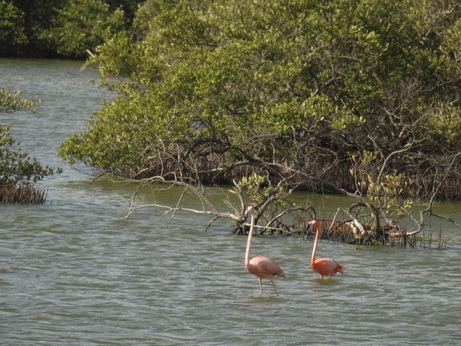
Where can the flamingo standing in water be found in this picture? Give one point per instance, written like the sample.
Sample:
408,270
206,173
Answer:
323,266
262,267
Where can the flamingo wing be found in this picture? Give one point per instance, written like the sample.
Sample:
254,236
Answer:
265,267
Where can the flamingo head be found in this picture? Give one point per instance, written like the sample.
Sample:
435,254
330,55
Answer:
314,223
250,211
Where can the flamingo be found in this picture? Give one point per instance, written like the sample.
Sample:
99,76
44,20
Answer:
261,266
323,266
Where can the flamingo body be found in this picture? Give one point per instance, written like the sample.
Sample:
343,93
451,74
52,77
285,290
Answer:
261,266
264,267
323,266
327,267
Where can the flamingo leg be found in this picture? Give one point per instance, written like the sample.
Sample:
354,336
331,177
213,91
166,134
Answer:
274,287
260,286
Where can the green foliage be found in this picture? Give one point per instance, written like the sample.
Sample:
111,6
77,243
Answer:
13,102
82,25
385,191
300,84
16,166
11,26
57,28
256,186
446,124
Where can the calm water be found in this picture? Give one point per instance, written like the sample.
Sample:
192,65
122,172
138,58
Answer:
75,271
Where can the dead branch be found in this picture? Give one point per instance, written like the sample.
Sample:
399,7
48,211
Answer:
172,210
407,147
277,193
288,211
357,228
429,209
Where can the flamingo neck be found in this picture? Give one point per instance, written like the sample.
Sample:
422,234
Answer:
250,236
314,249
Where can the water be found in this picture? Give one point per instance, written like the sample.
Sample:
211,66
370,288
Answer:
76,272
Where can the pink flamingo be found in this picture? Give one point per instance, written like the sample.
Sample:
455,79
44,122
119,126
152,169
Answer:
323,266
262,267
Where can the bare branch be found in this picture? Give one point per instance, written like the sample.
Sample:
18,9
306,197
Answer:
285,212
428,211
170,210
407,147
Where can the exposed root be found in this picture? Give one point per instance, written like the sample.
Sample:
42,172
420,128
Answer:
22,193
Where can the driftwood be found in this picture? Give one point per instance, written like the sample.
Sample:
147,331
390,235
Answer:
346,232
275,214
293,220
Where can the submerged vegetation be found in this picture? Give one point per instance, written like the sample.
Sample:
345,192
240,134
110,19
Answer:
276,214
22,193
